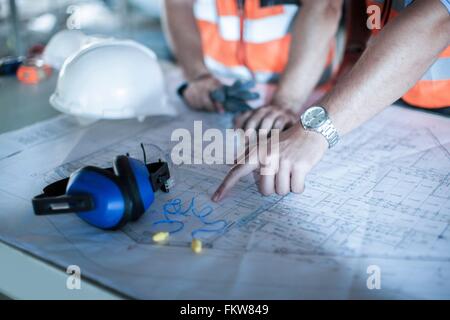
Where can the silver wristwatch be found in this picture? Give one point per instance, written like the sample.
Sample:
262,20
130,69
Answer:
316,119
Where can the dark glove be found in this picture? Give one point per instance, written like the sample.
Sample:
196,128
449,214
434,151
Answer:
234,97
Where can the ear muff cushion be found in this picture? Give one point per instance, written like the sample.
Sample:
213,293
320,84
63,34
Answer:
123,170
112,204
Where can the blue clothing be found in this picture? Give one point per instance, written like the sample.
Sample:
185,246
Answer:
446,3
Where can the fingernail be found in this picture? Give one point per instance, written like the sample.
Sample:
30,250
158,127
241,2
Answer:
216,197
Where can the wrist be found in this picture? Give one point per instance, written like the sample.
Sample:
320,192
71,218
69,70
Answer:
198,74
316,139
333,114
319,145
291,104
183,87
202,76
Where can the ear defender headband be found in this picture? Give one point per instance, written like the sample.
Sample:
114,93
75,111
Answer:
106,198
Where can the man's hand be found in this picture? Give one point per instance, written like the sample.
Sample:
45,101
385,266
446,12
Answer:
283,171
197,94
269,117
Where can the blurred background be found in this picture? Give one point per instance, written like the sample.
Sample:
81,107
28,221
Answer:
26,26
27,23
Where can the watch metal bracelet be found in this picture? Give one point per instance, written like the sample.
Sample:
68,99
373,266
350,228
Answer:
329,132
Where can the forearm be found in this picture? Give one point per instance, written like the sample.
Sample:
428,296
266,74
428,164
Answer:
313,31
391,65
185,37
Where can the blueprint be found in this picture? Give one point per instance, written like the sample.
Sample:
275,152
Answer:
381,198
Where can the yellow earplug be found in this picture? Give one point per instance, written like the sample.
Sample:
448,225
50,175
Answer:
160,237
196,245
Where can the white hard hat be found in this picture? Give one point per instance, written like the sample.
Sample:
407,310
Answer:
112,79
66,43
61,46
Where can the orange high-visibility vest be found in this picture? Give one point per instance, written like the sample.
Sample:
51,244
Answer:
433,90
243,40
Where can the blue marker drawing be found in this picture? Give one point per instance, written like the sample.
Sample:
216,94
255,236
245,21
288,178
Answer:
175,208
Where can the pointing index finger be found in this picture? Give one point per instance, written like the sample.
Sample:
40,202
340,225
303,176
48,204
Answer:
237,171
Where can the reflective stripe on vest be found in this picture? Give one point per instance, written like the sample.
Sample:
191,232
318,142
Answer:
248,42
433,90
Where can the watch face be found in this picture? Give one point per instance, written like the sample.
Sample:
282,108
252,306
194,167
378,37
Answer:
314,117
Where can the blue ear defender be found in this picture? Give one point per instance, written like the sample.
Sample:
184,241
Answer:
106,198
111,203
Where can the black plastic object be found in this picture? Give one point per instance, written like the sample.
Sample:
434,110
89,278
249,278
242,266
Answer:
62,204
160,176
269,3
10,65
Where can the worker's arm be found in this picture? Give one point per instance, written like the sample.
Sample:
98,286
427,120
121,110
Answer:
187,46
389,67
313,31
392,64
